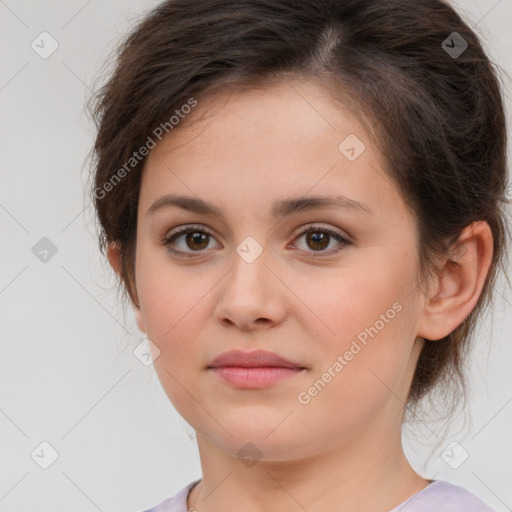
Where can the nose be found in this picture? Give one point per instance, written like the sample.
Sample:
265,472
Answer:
251,296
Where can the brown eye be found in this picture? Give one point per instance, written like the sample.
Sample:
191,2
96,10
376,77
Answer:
190,241
196,240
317,240
187,240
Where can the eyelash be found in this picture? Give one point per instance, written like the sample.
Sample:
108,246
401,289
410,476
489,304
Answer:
169,239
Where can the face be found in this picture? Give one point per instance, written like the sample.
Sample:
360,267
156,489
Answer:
329,287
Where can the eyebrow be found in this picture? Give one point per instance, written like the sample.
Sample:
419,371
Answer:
280,208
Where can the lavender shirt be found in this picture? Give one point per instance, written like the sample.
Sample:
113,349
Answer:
439,496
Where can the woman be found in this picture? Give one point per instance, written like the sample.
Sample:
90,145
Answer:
303,202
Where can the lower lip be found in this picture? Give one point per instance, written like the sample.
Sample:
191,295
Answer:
255,377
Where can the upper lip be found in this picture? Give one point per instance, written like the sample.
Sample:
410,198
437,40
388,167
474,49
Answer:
255,359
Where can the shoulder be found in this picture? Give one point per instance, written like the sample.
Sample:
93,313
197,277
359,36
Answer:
442,496
176,503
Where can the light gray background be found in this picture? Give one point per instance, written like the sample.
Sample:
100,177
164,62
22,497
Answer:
68,373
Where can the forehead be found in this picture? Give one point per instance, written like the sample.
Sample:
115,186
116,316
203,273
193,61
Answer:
287,140
288,115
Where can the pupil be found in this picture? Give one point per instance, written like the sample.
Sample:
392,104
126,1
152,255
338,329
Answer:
194,238
318,238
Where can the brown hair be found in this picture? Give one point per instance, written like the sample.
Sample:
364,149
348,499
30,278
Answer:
439,117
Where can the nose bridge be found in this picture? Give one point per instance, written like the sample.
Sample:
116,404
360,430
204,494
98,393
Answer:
248,294
249,274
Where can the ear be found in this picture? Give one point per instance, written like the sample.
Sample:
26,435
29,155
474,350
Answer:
458,285
114,258
139,319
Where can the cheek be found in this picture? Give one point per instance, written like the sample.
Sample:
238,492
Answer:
171,311
359,376
370,322
348,303
174,316
169,297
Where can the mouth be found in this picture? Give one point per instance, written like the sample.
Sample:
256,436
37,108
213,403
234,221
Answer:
254,370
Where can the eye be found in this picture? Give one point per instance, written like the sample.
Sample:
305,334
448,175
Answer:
197,239
319,238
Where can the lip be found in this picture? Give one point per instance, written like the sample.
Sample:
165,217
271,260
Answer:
255,359
255,369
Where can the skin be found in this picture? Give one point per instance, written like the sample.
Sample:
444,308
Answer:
342,450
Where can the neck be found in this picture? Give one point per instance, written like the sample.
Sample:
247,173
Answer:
370,472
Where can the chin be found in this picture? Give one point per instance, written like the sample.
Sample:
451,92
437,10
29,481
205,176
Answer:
262,441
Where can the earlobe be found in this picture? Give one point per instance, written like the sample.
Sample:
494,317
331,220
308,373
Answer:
459,283
139,319
114,257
